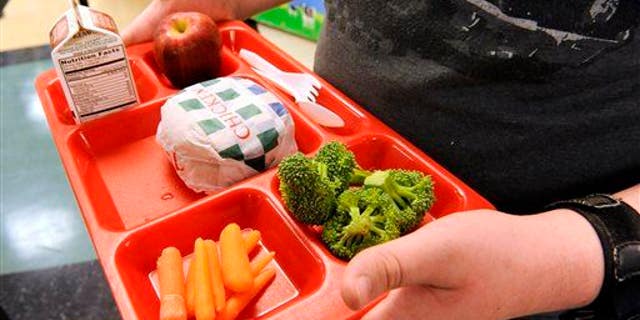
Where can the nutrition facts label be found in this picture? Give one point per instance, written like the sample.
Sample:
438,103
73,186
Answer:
99,81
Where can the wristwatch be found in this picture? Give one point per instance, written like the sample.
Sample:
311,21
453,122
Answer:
618,227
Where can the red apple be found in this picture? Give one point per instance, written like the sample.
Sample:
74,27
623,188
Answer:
187,48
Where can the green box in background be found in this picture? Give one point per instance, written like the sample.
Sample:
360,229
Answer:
303,18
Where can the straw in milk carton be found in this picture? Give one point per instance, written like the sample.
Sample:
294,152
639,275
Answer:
91,62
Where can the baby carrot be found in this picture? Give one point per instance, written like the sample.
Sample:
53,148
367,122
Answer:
261,261
190,288
239,301
251,239
170,273
217,283
236,270
204,303
171,279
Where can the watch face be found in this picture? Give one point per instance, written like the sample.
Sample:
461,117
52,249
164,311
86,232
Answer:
599,201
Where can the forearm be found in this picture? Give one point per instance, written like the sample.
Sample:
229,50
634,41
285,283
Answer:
144,25
566,261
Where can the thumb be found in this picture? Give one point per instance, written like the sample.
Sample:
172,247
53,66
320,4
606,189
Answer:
141,29
419,258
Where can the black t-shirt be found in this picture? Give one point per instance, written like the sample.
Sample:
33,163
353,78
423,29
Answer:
526,101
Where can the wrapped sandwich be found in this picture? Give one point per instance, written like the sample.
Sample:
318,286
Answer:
224,130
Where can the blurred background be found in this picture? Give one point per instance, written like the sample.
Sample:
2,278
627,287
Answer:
47,263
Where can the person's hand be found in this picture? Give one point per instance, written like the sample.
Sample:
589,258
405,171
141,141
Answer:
480,265
142,27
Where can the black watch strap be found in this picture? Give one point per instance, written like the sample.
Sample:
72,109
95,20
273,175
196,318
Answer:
618,227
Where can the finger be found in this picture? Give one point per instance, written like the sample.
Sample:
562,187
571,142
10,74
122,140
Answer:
405,303
141,29
421,257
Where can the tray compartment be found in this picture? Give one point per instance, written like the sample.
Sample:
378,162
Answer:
144,85
229,64
128,177
127,174
378,152
236,38
299,271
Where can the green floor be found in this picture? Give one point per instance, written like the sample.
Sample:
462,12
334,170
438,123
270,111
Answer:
41,224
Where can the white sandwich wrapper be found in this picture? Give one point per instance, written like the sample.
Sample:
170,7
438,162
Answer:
224,130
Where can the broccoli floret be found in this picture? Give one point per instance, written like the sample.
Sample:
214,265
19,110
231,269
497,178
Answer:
342,165
411,191
364,218
306,189
340,162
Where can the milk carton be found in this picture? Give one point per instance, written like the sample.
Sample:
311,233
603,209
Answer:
91,62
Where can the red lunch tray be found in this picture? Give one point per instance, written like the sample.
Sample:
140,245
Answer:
134,204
